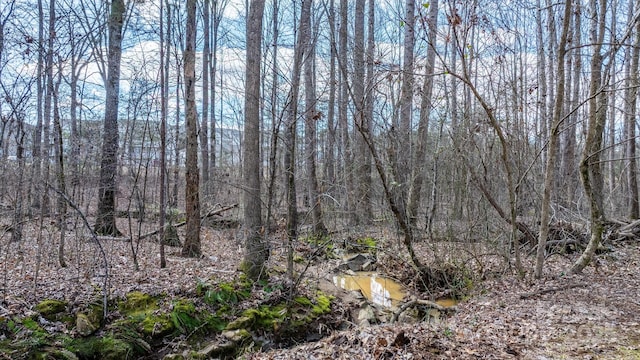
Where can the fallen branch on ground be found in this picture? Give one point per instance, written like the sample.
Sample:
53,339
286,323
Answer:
427,303
551,290
180,224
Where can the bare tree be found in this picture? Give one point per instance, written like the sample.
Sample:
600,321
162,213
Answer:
554,136
402,135
631,92
590,165
204,127
256,248
105,218
164,90
191,246
362,162
426,103
312,117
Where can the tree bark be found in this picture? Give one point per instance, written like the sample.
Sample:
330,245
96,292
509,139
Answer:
633,201
311,118
191,246
590,165
105,220
347,168
256,247
402,136
164,90
204,128
425,112
552,149
363,210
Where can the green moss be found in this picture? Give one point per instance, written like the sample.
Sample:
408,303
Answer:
303,301
50,308
267,317
323,305
136,302
84,326
106,348
156,326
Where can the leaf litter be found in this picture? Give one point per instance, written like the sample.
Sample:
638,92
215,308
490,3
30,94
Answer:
593,315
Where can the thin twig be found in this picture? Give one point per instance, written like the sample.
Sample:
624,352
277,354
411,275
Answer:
94,236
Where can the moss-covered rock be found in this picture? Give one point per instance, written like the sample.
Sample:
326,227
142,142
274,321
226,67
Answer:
106,348
84,326
242,322
137,301
237,336
156,326
51,309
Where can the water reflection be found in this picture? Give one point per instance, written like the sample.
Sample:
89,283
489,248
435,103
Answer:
378,289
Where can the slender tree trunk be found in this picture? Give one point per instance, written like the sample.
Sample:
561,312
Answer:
36,149
164,87
204,128
569,159
290,138
61,204
256,247
552,149
425,112
402,139
363,210
105,220
191,246
275,119
590,165
343,121
312,117
633,201
330,175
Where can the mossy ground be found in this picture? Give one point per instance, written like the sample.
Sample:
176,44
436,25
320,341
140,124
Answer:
139,323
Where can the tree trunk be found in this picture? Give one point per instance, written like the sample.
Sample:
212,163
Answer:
633,201
61,204
590,165
105,219
330,175
552,149
363,210
402,135
256,247
204,128
312,117
569,159
191,246
425,112
164,90
343,121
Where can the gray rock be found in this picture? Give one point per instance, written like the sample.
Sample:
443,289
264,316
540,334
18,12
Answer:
84,327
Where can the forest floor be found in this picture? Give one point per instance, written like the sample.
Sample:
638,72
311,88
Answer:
594,315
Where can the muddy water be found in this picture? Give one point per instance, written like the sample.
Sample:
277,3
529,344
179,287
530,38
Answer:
378,289
447,302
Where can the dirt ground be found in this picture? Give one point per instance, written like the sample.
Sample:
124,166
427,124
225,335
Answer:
594,315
